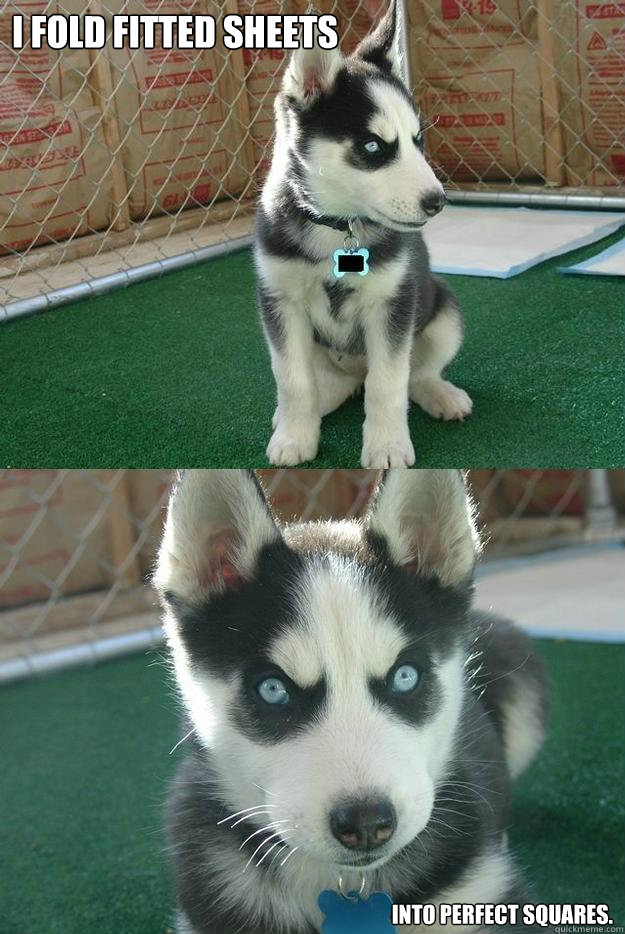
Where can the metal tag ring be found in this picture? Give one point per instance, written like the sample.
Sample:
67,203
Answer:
346,895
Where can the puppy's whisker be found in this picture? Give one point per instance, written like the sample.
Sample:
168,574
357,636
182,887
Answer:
254,807
250,817
289,855
270,826
474,790
264,790
442,823
259,847
427,124
440,809
180,742
275,855
272,847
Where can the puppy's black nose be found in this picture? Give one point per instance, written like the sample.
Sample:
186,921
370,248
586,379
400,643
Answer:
363,824
433,202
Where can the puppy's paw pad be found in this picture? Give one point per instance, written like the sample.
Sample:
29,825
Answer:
400,454
441,399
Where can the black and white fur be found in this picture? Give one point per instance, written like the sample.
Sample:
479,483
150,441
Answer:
332,609
395,329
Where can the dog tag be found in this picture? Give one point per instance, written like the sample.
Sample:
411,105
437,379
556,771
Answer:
352,914
351,261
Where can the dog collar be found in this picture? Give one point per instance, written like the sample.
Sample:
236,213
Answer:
352,258
336,223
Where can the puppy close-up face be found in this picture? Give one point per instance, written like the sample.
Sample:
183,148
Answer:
356,139
323,669
359,710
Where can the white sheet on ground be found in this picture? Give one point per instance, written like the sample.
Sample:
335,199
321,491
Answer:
502,242
610,262
571,594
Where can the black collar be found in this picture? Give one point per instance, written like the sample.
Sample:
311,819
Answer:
336,223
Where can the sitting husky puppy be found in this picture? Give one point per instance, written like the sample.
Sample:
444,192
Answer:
354,723
349,150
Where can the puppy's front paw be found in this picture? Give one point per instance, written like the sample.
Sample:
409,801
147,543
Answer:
293,442
383,450
441,399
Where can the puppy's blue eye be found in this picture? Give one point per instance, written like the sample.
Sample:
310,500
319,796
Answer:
372,146
405,679
273,691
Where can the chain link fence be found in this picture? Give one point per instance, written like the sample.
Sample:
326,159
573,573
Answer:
77,546
118,164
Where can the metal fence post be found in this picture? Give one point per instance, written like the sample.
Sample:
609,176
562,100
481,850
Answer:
600,513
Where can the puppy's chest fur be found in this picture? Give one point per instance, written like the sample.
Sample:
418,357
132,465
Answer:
343,310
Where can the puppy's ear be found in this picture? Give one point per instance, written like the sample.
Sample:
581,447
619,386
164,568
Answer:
426,518
380,46
217,522
310,73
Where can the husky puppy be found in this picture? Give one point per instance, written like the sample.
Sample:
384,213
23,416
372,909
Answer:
350,715
349,145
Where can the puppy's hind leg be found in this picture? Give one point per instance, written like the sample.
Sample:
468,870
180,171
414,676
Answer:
433,348
334,385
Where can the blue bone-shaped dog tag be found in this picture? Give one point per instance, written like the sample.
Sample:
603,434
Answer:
356,915
351,261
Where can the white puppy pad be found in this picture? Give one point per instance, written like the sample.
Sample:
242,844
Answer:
610,262
575,593
502,242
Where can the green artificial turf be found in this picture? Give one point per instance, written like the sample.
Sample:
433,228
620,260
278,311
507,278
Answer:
85,761
174,372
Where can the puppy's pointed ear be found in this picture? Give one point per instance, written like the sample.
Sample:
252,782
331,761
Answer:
310,73
380,46
217,522
426,518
